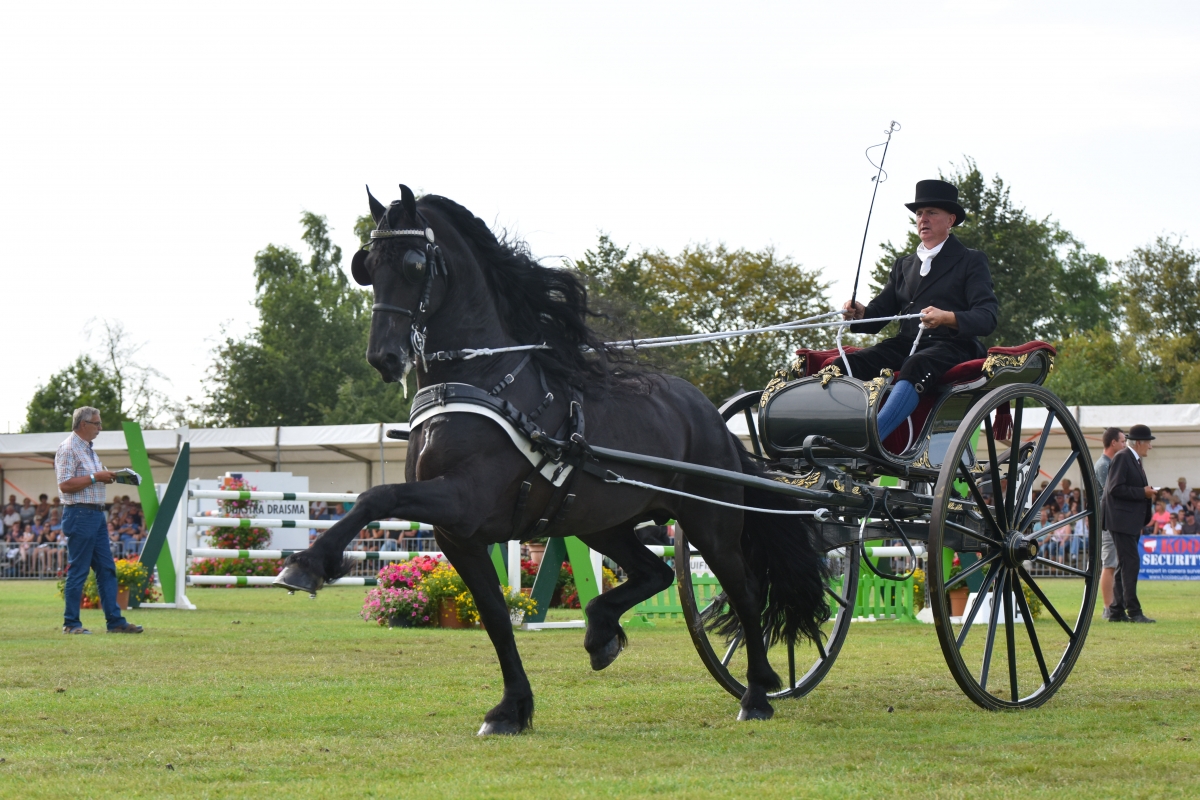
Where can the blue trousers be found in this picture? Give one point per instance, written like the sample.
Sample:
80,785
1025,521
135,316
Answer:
87,548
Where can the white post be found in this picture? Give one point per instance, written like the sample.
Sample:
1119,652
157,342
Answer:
514,565
179,547
598,569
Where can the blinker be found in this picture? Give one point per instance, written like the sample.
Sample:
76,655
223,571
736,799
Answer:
358,268
413,266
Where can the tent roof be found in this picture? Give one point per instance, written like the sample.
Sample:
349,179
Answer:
251,446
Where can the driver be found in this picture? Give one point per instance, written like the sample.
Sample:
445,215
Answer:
949,285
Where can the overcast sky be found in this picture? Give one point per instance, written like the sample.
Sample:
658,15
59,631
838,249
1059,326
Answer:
147,151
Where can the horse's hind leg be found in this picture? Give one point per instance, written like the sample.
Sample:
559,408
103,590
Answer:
718,538
514,712
648,576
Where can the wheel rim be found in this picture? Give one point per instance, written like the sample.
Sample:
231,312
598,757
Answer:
804,664
1003,652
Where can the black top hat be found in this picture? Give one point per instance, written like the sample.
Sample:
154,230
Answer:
939,194
1139,433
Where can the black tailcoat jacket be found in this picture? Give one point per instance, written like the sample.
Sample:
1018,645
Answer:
958,281
1126,507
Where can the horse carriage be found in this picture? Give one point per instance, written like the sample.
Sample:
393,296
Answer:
514,461
954,495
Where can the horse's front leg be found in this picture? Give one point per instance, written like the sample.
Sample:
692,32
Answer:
514,712
431,501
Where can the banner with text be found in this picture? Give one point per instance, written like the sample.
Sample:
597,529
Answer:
1170,558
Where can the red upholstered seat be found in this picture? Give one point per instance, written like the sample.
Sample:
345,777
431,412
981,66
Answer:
966,372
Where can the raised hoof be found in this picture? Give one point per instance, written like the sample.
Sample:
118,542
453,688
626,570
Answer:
297,580
747,714
498,728
607,654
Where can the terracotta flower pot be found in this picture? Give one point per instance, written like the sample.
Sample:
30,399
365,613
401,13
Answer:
123,598
448,615
536,551
958,600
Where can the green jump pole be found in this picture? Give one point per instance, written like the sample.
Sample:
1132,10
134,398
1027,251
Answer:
156,552
136,445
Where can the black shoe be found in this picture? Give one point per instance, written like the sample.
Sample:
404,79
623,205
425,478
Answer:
1141,618
75,630
1114,616
126,628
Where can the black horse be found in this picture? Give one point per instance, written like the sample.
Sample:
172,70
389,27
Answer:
467,478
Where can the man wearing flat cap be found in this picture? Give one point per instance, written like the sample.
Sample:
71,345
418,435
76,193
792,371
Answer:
1127,506
949,285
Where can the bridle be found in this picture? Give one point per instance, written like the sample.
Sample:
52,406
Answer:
425,268
415,266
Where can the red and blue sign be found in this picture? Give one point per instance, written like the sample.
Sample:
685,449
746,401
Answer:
1170,558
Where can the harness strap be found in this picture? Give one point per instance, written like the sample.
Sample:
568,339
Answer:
508,379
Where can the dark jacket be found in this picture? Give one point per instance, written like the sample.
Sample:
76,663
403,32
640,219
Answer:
1126,507
959,281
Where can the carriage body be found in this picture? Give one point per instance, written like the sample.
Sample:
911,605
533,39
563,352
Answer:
960,488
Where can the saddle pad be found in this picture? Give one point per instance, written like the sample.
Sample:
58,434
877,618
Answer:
520,441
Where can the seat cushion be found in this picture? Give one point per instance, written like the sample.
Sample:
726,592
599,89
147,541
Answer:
814,360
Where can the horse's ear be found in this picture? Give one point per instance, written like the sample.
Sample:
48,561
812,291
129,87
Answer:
377,209
358,268
409,201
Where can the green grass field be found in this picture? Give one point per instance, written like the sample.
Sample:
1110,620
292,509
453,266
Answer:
265,695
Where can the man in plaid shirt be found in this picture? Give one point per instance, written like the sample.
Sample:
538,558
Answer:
81,478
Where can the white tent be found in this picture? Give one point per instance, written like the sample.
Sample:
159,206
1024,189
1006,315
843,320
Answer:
337,458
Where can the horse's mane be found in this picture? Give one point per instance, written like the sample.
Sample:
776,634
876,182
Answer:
540,304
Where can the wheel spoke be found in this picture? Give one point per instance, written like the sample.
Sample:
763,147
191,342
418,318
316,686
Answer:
837,598
973,534
1036,461
970,620
994,616
971,570
1064,567
1046,601
1010,635
982,505
994,467
1027,520
792,663
733,646
1029,628
1014,458
1065,523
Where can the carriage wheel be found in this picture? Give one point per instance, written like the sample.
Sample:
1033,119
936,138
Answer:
807,663
1001,654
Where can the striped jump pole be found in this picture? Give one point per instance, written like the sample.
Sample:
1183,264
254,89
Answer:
224,494
316,524
353,555
266,580
891,551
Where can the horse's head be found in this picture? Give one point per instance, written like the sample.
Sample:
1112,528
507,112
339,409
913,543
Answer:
402,264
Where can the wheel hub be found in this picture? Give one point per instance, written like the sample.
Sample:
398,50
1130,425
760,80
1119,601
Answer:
1019,548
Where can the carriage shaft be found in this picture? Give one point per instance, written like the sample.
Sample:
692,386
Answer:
728,476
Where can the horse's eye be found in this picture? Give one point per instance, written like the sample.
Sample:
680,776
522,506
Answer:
413,266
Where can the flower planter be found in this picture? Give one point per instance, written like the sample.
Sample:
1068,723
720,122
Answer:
400,621
516,616
536,551
448,615
123,598
958,601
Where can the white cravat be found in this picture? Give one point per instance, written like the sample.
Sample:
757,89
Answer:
926,255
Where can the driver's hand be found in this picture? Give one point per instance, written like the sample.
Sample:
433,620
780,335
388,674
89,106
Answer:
857,312
104,476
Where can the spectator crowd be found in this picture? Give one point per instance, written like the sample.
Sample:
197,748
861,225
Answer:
34,544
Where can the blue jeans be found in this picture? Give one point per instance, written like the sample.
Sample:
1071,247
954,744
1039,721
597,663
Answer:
87,548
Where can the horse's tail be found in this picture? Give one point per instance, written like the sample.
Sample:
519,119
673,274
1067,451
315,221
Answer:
786,566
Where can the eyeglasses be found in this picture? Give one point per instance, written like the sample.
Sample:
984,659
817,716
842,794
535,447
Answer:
95,422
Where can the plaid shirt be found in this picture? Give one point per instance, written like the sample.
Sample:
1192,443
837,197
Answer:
74,458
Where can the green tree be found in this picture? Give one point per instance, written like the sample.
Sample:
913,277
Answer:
305,362
1048,285
706,289
1161,288
1100,368
84,383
